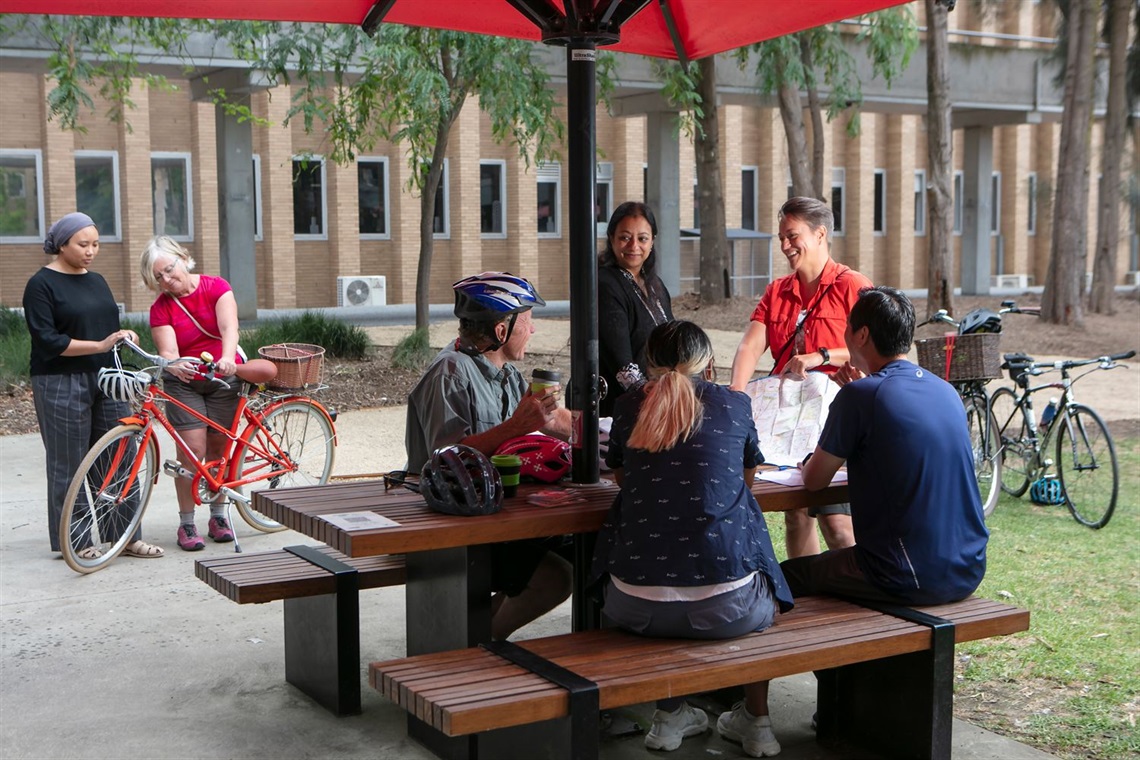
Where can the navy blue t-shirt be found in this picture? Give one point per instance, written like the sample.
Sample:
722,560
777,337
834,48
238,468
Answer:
915,506
685,517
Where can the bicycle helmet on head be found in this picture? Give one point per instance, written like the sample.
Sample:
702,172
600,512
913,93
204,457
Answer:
545,459
980,321
460,480
1047,491
492,296
123,385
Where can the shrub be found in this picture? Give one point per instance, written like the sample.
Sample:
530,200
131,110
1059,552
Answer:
413,351
15,348
338,338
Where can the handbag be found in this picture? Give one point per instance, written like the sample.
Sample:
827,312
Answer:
240,351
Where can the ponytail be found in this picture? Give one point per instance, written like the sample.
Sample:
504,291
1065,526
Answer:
670,414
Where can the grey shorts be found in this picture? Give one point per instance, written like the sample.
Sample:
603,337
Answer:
209,399
843,508
751,607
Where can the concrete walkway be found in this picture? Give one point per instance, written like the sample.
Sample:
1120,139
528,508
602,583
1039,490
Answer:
143,660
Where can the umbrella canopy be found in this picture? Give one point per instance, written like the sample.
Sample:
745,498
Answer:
680,29
690,29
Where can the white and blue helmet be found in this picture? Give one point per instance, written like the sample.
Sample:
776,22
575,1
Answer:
491,296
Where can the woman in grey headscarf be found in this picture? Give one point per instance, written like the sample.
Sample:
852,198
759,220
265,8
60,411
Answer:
74,321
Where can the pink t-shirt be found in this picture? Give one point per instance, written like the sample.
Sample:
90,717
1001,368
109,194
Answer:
203,304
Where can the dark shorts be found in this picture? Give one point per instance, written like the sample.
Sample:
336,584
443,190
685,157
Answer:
514,562
836,573
843,508
209,399
752,607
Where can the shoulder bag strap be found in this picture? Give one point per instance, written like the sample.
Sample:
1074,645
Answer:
819,299
201,329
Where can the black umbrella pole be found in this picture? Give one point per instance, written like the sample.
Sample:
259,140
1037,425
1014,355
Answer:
580,64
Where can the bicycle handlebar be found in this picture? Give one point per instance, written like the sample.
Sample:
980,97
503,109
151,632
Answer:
161,362
1107,362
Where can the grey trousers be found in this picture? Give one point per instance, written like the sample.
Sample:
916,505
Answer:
72,414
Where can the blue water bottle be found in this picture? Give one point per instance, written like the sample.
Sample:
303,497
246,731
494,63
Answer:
1048,414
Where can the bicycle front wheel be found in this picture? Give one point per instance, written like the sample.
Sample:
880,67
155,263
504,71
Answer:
107,497
1015,437
987,455
1086,462
296,444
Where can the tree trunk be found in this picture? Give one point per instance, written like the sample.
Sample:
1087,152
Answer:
427,215
792,114
815,111
1108,216
1061,300
939,151
715,284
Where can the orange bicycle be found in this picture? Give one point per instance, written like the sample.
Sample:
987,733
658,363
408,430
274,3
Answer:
276,440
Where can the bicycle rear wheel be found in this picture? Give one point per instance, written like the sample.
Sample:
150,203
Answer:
1015,437
987,455
301,429
1086,462
107,497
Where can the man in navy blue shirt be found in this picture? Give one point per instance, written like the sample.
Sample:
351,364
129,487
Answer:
916,512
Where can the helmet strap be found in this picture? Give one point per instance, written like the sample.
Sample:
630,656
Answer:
496,344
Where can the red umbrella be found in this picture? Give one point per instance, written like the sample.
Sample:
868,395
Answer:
681,29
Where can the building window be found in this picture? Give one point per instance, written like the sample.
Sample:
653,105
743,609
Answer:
959,188
880,221
838,186
550,199
372,197
645,182
257,229
441,213
920,202
21,196
748,192
1031,217
172,202
696,204
309,201
97,191
603,196
995,203
492,197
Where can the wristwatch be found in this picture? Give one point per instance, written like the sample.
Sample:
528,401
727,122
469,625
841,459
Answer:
825,354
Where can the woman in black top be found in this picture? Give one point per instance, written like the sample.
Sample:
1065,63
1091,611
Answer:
74,321
632,300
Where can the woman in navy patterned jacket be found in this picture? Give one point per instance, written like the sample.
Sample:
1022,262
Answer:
685,545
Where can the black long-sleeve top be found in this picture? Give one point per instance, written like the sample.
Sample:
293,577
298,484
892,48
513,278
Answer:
624,324
59,307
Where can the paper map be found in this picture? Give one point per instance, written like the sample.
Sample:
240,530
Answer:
789,414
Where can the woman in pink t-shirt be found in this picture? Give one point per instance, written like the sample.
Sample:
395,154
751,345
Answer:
194,313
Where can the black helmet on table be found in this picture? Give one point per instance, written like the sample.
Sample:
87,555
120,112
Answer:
492,296
460,480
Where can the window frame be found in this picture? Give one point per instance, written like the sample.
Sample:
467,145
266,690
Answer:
604,175
755,188
920,210
258,229
839,181
959,192
115,192
385,198
38,161
995,204
324,233
186,159
879,209
1031,215
502,166
443,192
550,172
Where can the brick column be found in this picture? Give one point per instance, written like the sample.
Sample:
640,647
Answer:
204,177
136,202
901,152
860,247
462,255
343,225
521,218
276,267
405,221
58,162
1013,163
731,159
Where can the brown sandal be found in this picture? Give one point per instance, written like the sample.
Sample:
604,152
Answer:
143,550
89,553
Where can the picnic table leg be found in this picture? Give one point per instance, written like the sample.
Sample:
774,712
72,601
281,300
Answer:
448,593
900,706
586,614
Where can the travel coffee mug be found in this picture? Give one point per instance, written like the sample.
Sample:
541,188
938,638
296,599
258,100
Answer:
508,466
541,379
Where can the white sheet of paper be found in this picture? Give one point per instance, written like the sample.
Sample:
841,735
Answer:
789,414
793,477
352,521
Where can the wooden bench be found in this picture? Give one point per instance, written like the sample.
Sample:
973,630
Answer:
322,611
885,679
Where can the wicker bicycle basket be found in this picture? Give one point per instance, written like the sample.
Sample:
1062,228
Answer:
957,358
298,364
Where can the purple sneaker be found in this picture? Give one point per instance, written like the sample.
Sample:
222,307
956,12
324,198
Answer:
189,539
220,530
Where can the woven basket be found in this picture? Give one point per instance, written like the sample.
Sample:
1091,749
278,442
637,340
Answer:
971,357
298,364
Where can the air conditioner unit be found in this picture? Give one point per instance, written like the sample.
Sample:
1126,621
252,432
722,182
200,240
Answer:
362,290
1011,281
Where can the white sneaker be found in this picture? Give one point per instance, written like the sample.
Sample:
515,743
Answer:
669,728
754,734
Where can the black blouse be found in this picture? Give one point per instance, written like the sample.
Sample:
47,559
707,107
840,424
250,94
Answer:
625,319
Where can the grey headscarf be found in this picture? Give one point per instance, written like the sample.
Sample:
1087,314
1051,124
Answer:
64,228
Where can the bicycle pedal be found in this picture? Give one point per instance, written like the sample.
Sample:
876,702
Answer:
175,470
